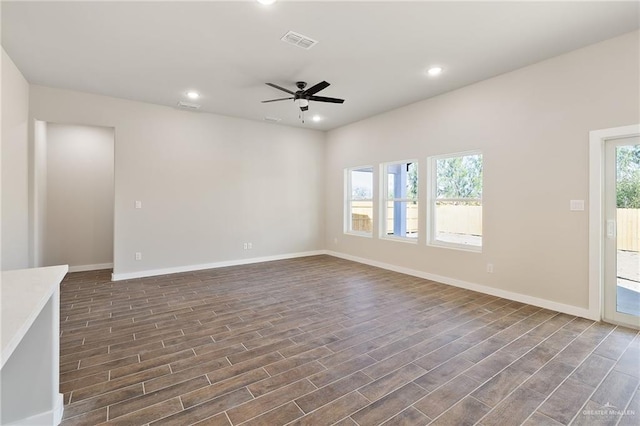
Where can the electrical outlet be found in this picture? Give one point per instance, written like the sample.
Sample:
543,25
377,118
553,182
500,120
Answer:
138,255
490,268
138,204
246,246
576,205
250,246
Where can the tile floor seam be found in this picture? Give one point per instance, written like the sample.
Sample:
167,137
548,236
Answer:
227,416
264,412
626,407
430,338
564,380
382,285
428,353
595,389
490,378
362,395
462,373
451,408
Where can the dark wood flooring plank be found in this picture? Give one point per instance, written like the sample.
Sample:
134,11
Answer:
388,406
446,396
334,411
321,340
408,417
465,413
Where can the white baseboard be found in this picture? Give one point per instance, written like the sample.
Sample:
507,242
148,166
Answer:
518,297
96,267
523,298
200,267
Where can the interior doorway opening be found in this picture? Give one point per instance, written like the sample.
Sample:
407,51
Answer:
73,196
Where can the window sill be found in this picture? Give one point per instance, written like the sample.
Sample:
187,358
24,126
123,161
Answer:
399,239
453,246
359,234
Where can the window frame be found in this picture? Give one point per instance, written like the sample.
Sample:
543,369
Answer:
432,198
384,188
348,200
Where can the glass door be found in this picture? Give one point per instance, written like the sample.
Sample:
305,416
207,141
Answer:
622,232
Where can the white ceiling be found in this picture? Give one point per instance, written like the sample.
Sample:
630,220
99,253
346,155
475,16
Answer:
374,54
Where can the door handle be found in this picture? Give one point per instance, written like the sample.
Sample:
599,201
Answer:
611,228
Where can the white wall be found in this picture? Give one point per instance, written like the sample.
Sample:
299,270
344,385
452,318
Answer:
532,126
79,196
207,183
38,192
15,192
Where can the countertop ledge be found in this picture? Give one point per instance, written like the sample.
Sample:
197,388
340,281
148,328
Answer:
23,294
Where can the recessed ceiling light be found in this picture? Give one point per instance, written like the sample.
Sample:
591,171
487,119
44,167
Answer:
267,2
316,118
193,94
433,71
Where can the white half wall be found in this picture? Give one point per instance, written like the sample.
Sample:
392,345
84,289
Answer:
79,195
207,183
14,181
532,126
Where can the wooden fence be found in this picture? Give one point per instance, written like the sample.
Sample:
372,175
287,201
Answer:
467,220
628,229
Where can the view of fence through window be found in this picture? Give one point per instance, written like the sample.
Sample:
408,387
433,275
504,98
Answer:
628,228
360,200
457,200
455,214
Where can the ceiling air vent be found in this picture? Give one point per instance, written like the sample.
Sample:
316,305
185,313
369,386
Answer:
298,40
273,119
188,105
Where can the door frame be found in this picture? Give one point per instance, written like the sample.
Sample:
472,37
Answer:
597,141
37,211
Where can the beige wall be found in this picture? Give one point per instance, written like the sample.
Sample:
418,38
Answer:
532,126
78,227
15,198
194,172
207,183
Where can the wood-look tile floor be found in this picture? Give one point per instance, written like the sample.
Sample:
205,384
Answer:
321,340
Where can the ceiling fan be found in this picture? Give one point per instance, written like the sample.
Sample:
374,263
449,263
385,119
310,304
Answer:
302,96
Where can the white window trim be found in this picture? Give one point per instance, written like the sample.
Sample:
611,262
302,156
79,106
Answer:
384,187
347,202
431,205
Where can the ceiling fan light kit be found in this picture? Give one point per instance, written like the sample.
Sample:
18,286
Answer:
303,104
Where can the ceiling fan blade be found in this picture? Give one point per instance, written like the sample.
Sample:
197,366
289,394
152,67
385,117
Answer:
275,100
315,89
280,88
325,99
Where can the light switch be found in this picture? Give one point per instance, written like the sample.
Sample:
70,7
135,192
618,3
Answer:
576,205
138,204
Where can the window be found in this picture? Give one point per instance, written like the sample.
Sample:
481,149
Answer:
359,208
400,209
456,201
